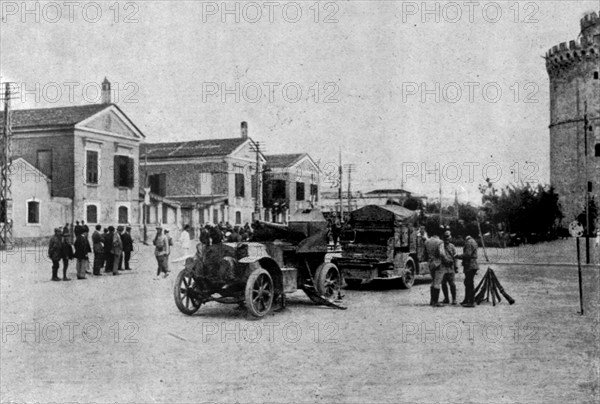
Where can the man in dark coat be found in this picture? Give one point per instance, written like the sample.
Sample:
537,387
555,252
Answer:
98,247
108,257
127,247
117,249
82,249
55,252
67,255
470,268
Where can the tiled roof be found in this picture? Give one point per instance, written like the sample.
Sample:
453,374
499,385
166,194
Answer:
283,160
196,148
52,117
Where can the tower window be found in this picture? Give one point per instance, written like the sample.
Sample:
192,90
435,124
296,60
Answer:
595,75
597,150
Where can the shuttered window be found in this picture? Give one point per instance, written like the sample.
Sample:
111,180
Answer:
124,171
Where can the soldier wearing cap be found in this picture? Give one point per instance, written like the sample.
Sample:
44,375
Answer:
470,268
432,255
55,252
161,249
108,257
117,250
448,267
127,248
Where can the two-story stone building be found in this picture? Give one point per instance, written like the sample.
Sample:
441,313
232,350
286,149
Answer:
214,180
291,182
87,159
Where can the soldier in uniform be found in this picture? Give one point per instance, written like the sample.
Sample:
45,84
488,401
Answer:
55,252
127,248
470,267
98,248
117,250
108,257
448,255
432,255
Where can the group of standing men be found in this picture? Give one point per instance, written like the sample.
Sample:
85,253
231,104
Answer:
111,248
442,257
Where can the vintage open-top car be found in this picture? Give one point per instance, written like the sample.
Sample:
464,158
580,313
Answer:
279,260
382,243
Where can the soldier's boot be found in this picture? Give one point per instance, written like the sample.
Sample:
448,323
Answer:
65,275
445,291
435,295
431,289
453,293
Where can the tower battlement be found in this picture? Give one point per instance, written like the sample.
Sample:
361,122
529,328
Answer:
589,20
565,54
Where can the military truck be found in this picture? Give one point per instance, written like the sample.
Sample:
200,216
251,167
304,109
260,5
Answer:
381,243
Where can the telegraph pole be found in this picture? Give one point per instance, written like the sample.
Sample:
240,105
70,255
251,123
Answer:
586,187
5,166
340,187
349,168
257,205
440,202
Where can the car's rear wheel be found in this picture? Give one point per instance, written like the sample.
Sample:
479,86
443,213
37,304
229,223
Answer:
185,293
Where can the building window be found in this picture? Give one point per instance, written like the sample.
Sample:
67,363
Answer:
278,189
597,150
314,192
33,212
595,75
123,215
44,162
3,211
299,191
239,185
91,214
206,180
215,216
590,186
253,186
91,167
238,217
158,184
165,214
124,171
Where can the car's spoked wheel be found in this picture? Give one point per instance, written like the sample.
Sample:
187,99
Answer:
408,278
259,293
185,293
329,281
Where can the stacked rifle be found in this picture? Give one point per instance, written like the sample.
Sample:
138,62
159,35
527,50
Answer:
489,288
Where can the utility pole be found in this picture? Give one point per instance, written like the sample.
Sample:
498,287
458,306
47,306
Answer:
440,202
349,168
5,166
586,187
257,204
340,187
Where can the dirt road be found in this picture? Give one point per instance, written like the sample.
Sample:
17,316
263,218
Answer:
121,339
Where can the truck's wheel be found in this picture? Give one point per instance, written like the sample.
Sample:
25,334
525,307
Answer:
329,280
408,278
185,293
260,292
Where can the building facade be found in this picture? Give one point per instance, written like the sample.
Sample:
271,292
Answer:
574,70
88,156
214,180
291,183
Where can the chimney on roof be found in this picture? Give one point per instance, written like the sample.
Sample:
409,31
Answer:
106,91
244,130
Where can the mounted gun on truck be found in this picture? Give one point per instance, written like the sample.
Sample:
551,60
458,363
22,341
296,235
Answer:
280,260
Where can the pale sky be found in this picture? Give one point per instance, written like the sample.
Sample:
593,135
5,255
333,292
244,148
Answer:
371,57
